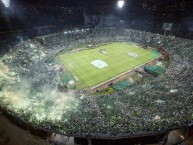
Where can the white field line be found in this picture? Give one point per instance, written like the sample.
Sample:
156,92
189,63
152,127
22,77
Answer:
123,73
109,79
82,78
70,69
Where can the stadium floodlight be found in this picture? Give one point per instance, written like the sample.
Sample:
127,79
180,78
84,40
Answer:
120,3
6,3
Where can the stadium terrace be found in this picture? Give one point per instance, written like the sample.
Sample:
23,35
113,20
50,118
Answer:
38,90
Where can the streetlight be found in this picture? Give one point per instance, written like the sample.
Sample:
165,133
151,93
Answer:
120,3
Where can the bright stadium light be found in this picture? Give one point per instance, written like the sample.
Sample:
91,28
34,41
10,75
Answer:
120,3
6,3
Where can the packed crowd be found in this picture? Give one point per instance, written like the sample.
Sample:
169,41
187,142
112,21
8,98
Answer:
157,105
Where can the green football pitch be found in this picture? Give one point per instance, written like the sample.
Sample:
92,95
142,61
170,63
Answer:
116,56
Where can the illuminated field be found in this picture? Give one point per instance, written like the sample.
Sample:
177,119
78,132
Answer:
117,55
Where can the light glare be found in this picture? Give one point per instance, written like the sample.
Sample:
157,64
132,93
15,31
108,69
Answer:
6,3
121,3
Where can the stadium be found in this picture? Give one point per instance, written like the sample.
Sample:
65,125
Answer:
107,83
96,72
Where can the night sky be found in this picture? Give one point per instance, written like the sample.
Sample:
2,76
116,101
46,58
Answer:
148,15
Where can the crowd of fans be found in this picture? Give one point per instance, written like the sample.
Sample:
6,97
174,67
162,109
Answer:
30,88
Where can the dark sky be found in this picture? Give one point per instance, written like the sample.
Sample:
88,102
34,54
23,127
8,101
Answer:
153,12
74,2
66,2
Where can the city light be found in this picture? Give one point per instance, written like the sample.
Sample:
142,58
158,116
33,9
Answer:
120,3
6,3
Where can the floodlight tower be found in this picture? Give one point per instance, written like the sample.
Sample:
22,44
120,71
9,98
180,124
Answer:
121,12
120,3
6,3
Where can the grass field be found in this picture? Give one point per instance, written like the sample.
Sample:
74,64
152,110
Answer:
116,57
